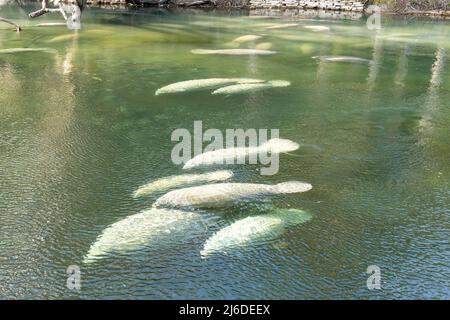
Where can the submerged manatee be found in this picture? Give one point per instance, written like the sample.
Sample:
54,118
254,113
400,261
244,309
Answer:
238,154
343,59
201,84
264,46
51,24
174,181
253,230
317,28
235,52
64,37
216,195
283,26
246,38
136,231
250,87
21,50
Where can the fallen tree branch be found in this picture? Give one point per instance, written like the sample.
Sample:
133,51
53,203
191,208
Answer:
18,29
45,10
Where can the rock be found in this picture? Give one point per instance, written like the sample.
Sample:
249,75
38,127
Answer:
327,5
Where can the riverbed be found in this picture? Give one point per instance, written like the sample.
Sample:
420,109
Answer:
81,129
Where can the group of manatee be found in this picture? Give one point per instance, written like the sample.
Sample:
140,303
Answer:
230,86
175,213
225,86
182,208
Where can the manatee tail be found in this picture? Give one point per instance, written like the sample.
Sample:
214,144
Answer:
279,83
294,155
219,175
293,187
89,259
202,51
278,145
189,164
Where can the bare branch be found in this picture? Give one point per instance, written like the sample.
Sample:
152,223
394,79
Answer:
45,10
18,29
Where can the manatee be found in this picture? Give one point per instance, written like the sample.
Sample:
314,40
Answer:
63,37
138,230
235,52
21,50
237,154
246,38
317,28
174,181
250,87
264,46
283,26
51,24
343,59
219,194
201,84
253,230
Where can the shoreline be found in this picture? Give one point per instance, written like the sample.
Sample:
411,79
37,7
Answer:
419,13
206,4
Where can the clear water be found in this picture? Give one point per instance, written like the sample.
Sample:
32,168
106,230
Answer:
81,129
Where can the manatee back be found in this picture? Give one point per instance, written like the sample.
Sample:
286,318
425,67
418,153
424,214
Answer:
293,187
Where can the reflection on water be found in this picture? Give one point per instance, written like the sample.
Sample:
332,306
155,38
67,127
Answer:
81,129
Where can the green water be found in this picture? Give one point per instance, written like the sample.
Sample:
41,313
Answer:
81,130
